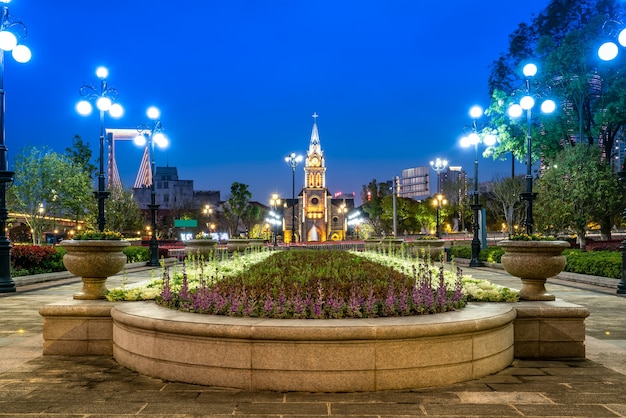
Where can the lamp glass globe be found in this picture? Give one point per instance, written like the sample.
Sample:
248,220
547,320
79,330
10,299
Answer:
21,54
8,41
621,38
529,70
102,73
103,103
153,112
84,107
607,51
527,102
515,111
476,112
116,110
139,140
160,140
548,106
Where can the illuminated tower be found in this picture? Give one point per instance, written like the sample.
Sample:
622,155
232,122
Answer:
315,198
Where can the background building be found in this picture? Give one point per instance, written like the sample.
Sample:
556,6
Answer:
415,183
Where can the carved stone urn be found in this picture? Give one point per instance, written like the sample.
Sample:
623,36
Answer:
201,247
94,261
533,262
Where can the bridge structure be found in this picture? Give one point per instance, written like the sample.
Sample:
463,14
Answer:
144,174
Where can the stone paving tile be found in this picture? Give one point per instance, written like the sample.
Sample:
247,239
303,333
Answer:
578,410
499,398
189,408
375,409
302,408
470,410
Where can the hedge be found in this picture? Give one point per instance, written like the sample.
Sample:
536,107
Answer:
595,263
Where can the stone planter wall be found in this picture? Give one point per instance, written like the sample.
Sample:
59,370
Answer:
314,355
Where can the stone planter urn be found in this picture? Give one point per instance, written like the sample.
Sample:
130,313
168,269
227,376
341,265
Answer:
431,247
533,262
94,261
372,243
256,242
237,244
201,247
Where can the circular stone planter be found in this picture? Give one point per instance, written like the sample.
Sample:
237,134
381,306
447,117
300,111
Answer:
256,242
337,355
201,247
237,245
533,262
432,247
94,261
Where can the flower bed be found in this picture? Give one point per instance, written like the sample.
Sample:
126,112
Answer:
314,284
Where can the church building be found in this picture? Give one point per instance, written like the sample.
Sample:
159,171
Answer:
319,215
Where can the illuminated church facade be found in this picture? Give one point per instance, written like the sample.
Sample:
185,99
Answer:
319,216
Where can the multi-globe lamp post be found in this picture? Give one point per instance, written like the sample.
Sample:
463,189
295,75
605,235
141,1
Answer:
439,202
10,30
292,160
527,103
343,210
608,52
151,134
474,139
438,165
105,98
274,218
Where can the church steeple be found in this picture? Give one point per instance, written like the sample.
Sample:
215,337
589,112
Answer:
314,145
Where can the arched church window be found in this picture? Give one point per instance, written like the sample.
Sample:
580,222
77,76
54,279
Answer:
318,180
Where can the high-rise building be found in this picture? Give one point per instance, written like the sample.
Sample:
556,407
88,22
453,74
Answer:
415,183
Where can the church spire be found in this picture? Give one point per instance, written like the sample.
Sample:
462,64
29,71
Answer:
314,145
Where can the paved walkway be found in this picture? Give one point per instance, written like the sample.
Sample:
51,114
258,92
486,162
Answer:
58,386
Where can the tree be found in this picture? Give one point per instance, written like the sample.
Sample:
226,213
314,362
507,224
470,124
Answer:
80,154
576,190
122,211
48,185
563,40
235,207
372,197
251,217
503,201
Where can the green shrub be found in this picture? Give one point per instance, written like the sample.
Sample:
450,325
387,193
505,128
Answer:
595,263
136,253
491,254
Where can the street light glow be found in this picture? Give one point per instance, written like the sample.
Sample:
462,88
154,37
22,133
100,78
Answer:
607,51
476,112
548,106
84,107
102,73
21,54
8,40
153,112
527,102
529,70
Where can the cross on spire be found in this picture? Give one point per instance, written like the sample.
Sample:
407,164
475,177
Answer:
315,116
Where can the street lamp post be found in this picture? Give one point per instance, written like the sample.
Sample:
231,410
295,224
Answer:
104,97
526,103
293,160
207,211
149,135
438,165
608,52
10,29
474,139
343,209
439,202
274,202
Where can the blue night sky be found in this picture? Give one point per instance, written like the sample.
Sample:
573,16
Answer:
237,82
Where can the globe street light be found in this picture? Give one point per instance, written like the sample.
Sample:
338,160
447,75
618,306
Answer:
439,202
104,97
10,30
474,139
526,103
438,165
293,160
150,134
